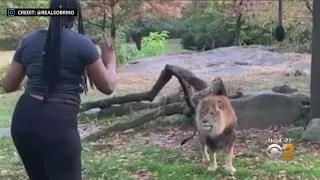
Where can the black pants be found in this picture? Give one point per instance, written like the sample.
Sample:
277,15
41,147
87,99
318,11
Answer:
47,139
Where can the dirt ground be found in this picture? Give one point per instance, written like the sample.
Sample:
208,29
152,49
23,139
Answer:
169,136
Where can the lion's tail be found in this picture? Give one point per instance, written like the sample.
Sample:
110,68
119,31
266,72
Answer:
187,139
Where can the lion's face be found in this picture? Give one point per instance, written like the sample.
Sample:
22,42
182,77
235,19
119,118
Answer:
210,116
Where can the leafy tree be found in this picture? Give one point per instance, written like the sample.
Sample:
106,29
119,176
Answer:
14,27
110,14
240,9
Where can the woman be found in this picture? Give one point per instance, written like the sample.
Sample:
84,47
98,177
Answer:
44,123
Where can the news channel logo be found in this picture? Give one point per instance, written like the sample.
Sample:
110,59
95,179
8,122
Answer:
10,12
275,151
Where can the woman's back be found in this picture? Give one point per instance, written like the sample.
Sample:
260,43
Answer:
77,52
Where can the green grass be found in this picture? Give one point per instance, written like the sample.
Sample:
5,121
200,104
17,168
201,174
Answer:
159,163
174,46
7,104
10,164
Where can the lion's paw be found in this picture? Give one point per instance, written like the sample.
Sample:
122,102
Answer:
212,168
205,159
231,169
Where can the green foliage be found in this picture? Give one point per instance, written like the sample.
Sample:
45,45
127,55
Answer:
173,25
153,45
13,28
253,33
124,51
9,43
298,37
202,30
297,34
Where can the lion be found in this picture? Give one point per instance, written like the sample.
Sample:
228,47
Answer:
216,122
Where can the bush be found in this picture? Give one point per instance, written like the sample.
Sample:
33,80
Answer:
8,44
153,45
298,37
253,33
124,51
206,31
173,26
188,41
145,26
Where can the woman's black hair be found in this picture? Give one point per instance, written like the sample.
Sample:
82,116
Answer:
52,48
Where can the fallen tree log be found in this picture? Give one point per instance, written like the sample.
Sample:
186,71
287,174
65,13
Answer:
168,110
170,70
125,109
166,74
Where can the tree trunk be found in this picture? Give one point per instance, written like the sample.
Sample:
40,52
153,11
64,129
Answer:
280,12
113,27
137,37
104,22
238,28
112,5
315,62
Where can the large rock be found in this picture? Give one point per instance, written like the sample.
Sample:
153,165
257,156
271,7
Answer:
92,113
312,133
284,89
267,108
294,133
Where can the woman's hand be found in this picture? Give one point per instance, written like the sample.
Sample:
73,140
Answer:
107,47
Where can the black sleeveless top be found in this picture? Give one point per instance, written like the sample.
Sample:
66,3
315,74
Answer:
77,52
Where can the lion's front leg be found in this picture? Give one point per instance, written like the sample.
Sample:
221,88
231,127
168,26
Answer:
204,150
213,161
229,158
